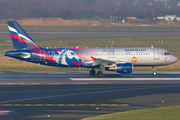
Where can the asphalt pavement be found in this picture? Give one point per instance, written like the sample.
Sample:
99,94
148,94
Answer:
76,95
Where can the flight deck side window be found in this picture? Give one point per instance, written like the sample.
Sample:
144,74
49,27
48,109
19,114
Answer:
166,53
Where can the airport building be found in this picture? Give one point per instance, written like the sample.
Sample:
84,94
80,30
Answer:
168,17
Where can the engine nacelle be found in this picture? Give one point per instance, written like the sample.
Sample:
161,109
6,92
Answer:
122,68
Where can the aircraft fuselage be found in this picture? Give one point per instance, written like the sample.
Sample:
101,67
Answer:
84,57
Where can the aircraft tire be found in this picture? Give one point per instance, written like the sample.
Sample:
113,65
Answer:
99,73
154,73
92,72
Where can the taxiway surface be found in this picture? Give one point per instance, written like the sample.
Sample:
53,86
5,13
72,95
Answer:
76,95
27,78
59,34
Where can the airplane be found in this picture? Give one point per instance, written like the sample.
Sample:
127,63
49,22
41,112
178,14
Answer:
122,60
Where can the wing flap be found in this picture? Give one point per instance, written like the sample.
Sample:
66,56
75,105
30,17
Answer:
106,63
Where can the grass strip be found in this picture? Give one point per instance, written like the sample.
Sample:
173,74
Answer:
160,113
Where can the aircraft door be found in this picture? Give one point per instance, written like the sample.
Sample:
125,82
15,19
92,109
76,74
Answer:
111,53
156,54
42,55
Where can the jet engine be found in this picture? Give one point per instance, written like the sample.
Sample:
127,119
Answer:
121,68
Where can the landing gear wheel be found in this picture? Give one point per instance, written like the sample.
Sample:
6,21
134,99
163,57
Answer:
92,72
99,73
154,73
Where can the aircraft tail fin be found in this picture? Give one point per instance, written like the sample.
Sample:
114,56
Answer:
20,38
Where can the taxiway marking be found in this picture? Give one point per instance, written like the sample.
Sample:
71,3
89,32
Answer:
4,112
40,105
127,79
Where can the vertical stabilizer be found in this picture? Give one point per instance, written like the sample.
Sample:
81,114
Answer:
20,38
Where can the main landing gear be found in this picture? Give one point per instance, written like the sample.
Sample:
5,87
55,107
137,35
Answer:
154,70
93,72
99,73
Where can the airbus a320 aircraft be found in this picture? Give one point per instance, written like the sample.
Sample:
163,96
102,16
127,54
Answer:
121,60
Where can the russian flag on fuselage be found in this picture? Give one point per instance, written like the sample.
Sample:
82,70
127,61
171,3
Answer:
20,38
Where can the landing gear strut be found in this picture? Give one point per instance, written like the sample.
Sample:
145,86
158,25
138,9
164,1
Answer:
154,70
99,73
92,72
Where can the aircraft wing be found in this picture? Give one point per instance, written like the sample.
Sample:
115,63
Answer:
106,63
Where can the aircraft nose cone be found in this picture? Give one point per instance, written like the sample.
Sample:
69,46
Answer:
175,59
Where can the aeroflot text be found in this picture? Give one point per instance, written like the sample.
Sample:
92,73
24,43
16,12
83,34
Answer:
135,50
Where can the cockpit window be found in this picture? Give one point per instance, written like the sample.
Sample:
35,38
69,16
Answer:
166,53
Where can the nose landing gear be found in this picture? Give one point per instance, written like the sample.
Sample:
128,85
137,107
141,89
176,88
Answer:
154,70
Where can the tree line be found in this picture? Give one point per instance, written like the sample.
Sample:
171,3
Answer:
86,9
